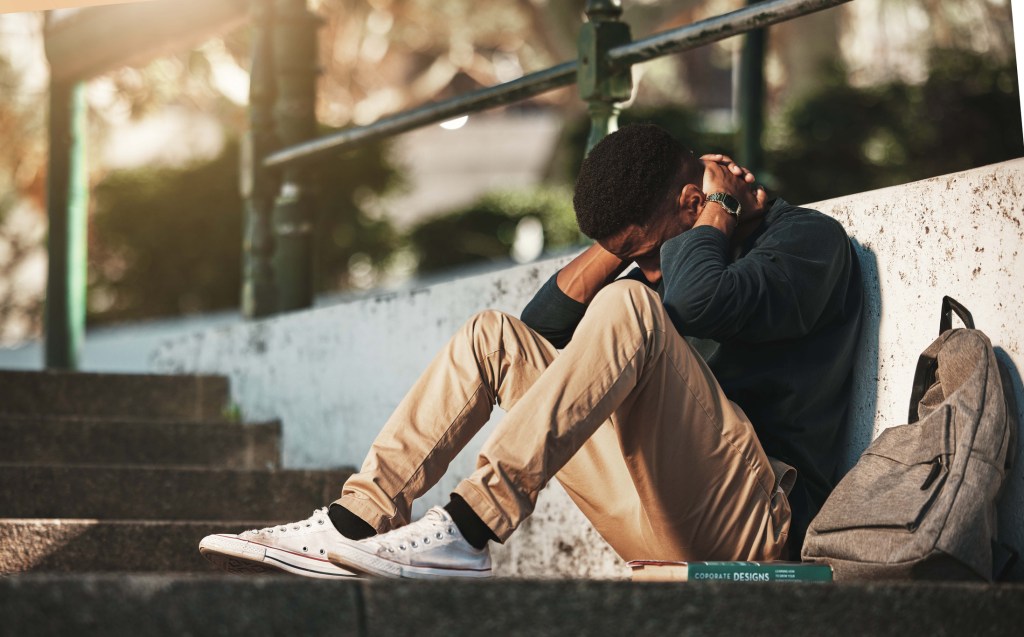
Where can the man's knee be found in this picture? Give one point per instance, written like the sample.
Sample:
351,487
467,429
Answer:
627,299
485,325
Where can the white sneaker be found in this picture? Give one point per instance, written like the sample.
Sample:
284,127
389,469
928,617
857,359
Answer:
428,548
299,547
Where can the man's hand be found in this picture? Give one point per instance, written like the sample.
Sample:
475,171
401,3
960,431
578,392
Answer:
722,174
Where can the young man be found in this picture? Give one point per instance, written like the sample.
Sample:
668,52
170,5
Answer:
684,396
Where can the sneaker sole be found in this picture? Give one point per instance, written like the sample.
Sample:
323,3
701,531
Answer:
242,557
370,564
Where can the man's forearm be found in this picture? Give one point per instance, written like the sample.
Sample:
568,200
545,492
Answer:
585,275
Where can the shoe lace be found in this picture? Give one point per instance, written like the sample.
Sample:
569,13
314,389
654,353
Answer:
319,517
432,527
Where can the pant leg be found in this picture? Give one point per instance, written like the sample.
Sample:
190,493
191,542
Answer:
492,360
672,469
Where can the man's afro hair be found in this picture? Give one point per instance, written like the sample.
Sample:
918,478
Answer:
625,178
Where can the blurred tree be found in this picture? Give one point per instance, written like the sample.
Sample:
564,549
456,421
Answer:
485,229
22,180
167,241
981,27
352,228
845,139
380,56
828,137
968,112
383,56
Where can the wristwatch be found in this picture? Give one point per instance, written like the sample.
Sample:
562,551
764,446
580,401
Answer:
727,201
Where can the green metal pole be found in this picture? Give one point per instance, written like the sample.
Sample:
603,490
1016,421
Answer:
752,98
601,85
296,69
259,185
67,202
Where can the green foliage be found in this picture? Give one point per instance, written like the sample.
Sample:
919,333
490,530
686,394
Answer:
845,139
349,220
485,229
167,241
232,412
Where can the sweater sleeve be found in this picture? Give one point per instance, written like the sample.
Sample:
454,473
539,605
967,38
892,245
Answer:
553,314
778,290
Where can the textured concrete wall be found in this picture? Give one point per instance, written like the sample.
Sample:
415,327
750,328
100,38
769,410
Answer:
333,375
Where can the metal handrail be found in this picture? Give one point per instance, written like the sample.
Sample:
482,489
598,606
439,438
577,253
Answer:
720,27
475,101
687,37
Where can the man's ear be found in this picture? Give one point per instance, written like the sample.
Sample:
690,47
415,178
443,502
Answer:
691,200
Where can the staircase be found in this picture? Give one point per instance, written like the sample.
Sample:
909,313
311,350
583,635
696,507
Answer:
104,472
107,483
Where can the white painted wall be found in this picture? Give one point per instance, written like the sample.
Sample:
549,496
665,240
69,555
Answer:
122,348
333,375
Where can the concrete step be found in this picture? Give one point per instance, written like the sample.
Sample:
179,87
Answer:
57,393
144,605
161,493
118,441
69,545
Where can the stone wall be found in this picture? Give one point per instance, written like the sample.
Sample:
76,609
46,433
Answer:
333,375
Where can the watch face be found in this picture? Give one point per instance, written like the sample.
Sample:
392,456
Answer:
728,201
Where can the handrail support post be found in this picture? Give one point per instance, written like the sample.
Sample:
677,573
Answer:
601,85
751,97
259,185
296,69
67,203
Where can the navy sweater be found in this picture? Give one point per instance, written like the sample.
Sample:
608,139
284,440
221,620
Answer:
778,327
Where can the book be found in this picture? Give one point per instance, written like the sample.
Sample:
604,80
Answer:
663,571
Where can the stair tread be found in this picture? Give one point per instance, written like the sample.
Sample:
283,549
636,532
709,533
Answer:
151,604
92,468
8,374
125,441
89,545
104,394
42,419
158,492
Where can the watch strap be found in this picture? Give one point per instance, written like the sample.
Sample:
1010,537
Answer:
727,201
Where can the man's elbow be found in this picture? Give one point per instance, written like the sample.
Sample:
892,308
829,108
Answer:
693,320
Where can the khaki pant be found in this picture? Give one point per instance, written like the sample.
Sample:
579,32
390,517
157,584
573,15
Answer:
627,417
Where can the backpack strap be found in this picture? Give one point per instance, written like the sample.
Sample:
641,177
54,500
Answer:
924,376
1011,411
1004,558
949,305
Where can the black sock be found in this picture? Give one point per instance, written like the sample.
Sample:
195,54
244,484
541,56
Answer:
349,524
470,525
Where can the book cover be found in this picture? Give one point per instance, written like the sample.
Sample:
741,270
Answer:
663,571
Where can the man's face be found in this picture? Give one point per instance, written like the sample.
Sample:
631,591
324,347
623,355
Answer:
642,244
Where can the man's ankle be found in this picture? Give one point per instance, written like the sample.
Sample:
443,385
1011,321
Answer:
470,525
349,524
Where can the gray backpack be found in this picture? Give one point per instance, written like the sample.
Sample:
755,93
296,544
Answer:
921,501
